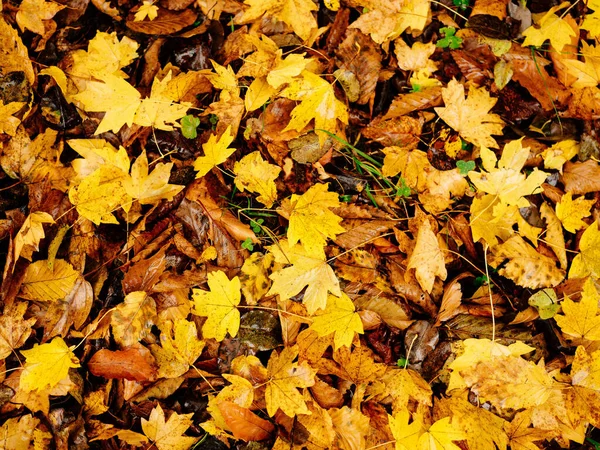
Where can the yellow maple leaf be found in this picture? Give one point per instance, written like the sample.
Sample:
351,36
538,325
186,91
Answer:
318,102
14,329
510,382
27,239
490,218
97,152
570,212
132,320
506,181
215,153
254,174
180,348
524,265
483,429
41,283
415,57
475,351
148,9
386,20
168,435
296,13
521,436
427,258
586,72
585,368
549,26
149,189
587,262
224,79
308,270
311,221
470,116
106,55
32,13
158,110
100,194
339,317
410,163
581,320
118,99
591,22
284,379
35,161
219,304
8,123
558,154
46,365
418,436
401,385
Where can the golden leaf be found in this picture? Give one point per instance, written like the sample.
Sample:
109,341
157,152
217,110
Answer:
571,212
296,13
46,365
549,26
317,101
419,436
427,258
470,116
14,329
284,379
147,9
168,435
180,348
8,123
31,14
307,270
581,320
254,174
115,97
149,189
31,233
524,265
44,284
481,350
311,221
215,153
219,304
339,317
588,260
132,320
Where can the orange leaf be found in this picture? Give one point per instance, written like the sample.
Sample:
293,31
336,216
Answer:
243,423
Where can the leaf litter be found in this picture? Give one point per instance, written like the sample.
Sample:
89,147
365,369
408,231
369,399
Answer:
299,224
